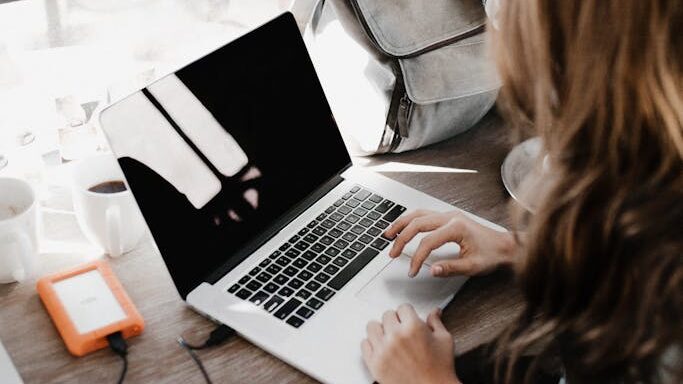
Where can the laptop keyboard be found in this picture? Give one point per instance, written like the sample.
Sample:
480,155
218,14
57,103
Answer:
296,280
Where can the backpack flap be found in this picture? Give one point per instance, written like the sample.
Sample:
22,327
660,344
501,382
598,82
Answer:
404,28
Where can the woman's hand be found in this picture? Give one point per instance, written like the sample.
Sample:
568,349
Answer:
405,349
481,249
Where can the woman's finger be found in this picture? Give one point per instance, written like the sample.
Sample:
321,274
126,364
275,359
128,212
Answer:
429,243
459,266
406,314
375,333
434,321
418,225
390,321
403,221
366,351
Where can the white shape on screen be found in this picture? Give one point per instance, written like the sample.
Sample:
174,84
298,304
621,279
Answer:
89,301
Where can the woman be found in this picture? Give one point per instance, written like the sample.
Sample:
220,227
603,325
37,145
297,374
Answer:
600,263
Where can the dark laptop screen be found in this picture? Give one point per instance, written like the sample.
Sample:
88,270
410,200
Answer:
218,151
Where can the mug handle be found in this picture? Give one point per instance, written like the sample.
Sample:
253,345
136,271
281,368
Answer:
113,216
25,251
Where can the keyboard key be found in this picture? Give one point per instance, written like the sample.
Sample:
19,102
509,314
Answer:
293,253
380,243
273,303
274,255
376,198
365,239
311,238
243,294
259,298
349,254
351,270
263,277
283,261
330,269
384,206
317,247
332,251
234,288
284,247
302,245
312,224
244,280
313,286
357,246
280,279
274,269
365,222
357,229
254,271
265,263
303,294
328,223
322,259
326,240
353,203
348,236
344,210
347,195
295,321
295,283
290,271
309,255
271,287
325,294
299,263
362,195
374,215
322,277
341,244
369,205
294,239
381,224
321,217
314,303
254,285
360,212
374,231
336,216
352,218
394,213
340,261
338,202
304,312
286,291
335,232
329,210
305,275
287,308
319,231
355,189
303,231
314,267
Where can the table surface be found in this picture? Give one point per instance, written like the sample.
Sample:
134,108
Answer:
463,171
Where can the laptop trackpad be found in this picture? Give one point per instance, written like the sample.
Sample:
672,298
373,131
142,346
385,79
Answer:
392,287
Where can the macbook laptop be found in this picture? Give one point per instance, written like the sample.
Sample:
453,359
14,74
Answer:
265,225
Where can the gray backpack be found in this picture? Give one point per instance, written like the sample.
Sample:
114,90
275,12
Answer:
402,74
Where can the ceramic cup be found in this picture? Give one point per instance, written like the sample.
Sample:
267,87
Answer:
18,230
110,220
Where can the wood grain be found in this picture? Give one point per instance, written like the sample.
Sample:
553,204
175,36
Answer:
477,314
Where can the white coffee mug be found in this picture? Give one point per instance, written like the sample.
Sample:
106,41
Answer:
18,230
110,220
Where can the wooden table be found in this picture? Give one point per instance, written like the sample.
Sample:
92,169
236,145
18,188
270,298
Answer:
477,313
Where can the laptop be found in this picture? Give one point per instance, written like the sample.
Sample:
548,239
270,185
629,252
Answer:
262,220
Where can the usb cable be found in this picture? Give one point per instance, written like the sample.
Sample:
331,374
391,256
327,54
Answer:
119,346
217,336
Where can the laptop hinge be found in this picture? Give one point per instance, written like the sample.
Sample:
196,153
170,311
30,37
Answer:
276,227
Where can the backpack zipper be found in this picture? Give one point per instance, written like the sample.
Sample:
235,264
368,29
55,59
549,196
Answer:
404,110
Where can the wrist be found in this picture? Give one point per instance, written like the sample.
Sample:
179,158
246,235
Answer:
508,249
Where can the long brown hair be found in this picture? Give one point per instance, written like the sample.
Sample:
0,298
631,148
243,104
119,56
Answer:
601,82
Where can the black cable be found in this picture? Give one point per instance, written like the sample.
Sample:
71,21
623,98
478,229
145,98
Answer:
217,336
118,344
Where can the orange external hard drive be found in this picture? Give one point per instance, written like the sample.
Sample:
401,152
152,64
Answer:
88,303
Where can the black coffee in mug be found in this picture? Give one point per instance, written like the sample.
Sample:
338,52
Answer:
113,186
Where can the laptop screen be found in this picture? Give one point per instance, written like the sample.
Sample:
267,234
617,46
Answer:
218,151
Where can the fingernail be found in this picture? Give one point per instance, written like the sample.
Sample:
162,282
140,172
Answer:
438,270
411,274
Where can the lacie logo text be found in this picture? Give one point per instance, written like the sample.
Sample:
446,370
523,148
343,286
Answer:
88,300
